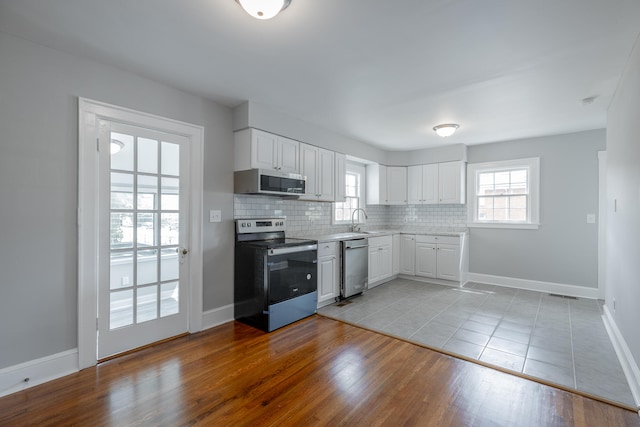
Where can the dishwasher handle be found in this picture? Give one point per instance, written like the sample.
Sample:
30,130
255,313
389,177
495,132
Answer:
355,243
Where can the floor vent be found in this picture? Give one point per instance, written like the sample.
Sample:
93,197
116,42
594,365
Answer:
562,296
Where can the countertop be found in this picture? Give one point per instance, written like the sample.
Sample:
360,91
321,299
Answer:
334,237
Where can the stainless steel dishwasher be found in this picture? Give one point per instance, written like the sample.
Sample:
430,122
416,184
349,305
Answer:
355,267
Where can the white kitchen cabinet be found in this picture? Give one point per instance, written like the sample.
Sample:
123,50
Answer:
438,257
437,183
395,250
422,184
451,183
407,254
386,185
425,259
380,259
341,170
328,272
318,165
255,148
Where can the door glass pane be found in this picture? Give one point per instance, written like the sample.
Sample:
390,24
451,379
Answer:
147,303
169,299
169,265
147,155
169,232
121,148
146,229
170,196
121,309
170,159
121,271
121,191
147,192
147,267
121,232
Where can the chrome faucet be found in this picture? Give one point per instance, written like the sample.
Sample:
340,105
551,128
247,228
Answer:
353,226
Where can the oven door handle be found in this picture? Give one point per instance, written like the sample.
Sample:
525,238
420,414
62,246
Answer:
292,249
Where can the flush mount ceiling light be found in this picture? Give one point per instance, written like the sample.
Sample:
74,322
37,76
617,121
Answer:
116,146
446,129
263,9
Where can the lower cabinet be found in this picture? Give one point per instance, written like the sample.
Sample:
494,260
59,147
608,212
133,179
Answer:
328,272
380,259
435,257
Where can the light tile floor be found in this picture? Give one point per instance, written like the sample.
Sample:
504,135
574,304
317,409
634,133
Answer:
557,339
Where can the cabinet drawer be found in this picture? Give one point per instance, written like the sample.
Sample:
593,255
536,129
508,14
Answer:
327,248
450,240
380,241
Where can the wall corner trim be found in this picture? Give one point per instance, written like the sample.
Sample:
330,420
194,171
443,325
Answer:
629,364
217,316
535,285
39,371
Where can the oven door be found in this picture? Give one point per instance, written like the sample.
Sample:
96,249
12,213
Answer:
291,272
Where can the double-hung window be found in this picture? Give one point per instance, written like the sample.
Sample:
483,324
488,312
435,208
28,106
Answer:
354,190
504,194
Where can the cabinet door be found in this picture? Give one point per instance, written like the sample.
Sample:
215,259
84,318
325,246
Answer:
430,184
426,259
407,254
288,155
264,150
308,168
396,185
386,261
374,264
340,191
326,174
327,268
414,185
395,250
448,262
450,181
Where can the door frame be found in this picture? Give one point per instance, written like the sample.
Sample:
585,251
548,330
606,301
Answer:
89,114
602,224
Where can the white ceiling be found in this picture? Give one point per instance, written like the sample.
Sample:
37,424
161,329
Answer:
383,72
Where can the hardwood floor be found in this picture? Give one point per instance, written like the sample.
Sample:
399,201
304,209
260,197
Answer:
316,372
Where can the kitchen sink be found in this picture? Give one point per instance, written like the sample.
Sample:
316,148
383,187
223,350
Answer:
342,236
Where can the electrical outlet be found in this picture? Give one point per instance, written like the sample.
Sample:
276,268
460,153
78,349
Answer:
591,218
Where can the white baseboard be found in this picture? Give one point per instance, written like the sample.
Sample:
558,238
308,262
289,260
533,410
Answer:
217,316
38,371
535,285
629,365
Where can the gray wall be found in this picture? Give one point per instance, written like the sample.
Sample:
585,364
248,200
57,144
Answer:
565,248
38,188
623,187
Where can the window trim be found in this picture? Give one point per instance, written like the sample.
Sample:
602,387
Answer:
532,164
361,170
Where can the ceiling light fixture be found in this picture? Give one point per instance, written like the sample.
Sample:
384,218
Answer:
446,129
263,9
116,146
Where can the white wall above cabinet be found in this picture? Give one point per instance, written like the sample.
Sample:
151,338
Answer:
318,165
255,148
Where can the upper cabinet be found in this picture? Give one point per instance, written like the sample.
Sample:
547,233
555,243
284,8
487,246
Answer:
437,183
451,183
386,185
263,150
318,165
341,170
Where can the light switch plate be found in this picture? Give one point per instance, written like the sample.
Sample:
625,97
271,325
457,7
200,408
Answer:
215,216
591,218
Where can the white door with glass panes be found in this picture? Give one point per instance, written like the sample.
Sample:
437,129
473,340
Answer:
143,256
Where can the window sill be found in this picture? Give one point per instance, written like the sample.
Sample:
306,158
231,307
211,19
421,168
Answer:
503,225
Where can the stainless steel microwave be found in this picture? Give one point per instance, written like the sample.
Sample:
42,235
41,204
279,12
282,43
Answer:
265,181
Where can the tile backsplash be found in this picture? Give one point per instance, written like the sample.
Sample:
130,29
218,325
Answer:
305,217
